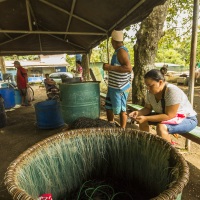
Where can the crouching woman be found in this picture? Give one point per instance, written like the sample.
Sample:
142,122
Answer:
173,111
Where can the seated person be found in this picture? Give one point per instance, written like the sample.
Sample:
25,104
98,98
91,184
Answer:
168,101
50,83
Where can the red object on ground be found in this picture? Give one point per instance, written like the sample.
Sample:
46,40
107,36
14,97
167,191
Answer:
47,196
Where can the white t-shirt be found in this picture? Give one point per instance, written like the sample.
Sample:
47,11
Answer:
173,95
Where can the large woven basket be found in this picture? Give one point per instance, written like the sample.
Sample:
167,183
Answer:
62,163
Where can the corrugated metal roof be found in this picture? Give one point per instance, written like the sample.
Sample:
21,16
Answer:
64,26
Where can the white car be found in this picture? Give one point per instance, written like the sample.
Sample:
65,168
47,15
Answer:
57,76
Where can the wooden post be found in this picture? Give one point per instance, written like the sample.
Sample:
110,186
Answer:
193,57
2,65
108,56
85,65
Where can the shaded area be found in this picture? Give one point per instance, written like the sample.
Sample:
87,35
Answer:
191,191
21,133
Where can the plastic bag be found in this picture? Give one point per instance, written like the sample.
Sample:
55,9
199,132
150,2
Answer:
29,95
176,120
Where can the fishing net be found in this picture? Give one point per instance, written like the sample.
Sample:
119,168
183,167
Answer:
85,122
99,163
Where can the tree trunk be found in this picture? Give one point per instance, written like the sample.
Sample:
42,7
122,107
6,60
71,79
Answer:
145,49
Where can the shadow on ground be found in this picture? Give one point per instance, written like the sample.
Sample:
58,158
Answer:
21,133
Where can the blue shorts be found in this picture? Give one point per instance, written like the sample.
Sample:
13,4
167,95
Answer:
185,126
116,100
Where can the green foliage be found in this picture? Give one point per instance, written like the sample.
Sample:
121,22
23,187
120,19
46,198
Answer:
180,15
130,32
100,53
176,49
175,45
129,46
169,56
28,57
170,49
71,60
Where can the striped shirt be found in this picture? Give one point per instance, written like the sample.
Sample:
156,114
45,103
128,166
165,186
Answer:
118,80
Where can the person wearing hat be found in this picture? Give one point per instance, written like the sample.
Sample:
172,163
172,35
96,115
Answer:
119,72
22,82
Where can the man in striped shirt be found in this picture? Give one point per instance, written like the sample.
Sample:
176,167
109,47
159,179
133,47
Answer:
118,80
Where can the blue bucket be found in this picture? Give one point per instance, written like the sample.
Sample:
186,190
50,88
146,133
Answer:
18,98
8,95
48,114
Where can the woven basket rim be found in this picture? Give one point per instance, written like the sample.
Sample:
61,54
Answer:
170,193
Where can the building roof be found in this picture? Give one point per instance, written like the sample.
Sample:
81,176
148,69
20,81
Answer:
45,61
66,26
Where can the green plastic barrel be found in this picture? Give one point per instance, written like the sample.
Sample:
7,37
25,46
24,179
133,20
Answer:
79,100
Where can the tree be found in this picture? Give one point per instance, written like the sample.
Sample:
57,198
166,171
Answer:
27,57
145,49
100,53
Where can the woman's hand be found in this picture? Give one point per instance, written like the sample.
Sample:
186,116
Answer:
141,119
134,115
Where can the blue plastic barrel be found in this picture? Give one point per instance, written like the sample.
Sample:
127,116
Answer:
48,114
4,85
8,95
78,57
18,98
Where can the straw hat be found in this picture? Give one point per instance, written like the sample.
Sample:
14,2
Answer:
117,35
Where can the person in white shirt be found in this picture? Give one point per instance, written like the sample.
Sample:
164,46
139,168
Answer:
168,101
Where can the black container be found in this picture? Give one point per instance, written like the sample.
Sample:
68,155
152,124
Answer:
70,80
3,117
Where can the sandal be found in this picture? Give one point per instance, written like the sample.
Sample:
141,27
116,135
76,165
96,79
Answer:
176,135
174,143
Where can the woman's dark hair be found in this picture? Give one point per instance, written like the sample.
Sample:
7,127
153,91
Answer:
156,74
78,62
163,69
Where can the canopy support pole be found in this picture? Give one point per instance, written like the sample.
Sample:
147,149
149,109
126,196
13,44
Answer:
193,57
2,65
108,56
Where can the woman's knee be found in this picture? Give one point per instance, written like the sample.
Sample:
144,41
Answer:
161,129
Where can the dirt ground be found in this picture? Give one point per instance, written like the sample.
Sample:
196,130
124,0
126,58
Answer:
21,133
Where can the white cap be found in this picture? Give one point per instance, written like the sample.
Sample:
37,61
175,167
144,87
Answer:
117,35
